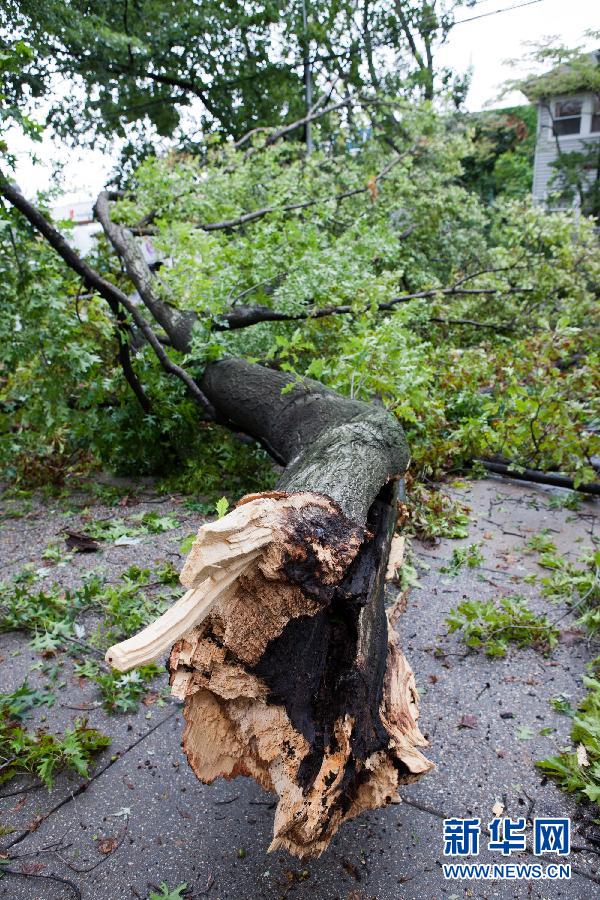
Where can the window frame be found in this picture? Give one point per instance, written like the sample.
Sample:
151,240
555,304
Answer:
595,114
554,119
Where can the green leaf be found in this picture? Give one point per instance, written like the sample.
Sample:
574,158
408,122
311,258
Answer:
221,507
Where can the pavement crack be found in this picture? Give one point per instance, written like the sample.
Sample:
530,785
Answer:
85,785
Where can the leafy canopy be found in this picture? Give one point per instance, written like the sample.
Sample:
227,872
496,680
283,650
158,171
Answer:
174,69
506,368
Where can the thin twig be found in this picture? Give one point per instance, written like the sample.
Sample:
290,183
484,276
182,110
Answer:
67,881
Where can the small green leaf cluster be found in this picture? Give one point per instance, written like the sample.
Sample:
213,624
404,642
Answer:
469,557
491,627
431,514
166,893
120,692
567,768
575,583
49,614
39,753
139,524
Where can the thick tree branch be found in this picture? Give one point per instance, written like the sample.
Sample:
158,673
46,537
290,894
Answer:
113,295
283,653
245,316
177,324
554,479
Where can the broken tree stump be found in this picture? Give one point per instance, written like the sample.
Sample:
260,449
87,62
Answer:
284,657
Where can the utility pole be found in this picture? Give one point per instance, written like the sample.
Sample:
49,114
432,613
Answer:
307,78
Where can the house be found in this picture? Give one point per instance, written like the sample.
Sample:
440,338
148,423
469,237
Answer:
568,132
82,228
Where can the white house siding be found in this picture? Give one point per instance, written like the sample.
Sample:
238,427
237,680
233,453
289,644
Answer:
546,151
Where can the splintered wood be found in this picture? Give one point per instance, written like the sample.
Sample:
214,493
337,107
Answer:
222,552
275,563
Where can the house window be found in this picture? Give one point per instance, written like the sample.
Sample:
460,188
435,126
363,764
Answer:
567,117
596,113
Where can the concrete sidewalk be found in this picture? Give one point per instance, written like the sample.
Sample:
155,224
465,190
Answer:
167,827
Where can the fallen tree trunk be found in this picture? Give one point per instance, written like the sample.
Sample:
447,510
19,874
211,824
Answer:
283,653
288,668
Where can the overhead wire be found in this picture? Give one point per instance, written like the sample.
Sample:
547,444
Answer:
496,12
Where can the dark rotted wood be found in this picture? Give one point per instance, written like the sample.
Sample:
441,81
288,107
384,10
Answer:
324,667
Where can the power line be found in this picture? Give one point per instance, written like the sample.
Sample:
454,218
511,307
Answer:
495,12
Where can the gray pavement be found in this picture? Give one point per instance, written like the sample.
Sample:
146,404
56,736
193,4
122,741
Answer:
162,825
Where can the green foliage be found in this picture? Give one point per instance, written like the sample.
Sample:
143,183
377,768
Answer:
49,614
578,771
522,387
120,692
491,627
138,524
167,574
468,556
167,894
186,544
214,67
15,57
217,462
119,610
22,700
221,507
575,583
541,543
562,704
500,159
431,514
42,754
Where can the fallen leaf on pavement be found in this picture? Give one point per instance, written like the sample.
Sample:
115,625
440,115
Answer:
582,757
468,721
107,845
80,543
